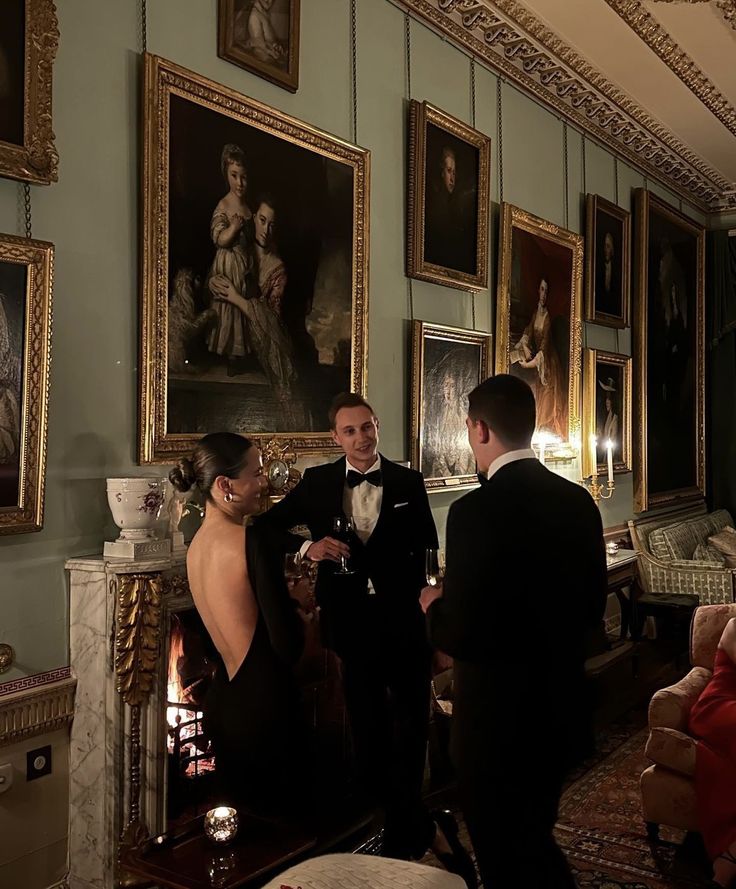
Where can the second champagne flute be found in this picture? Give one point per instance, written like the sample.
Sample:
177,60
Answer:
434,567
342,527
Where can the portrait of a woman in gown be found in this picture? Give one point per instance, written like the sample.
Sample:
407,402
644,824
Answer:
608,424
536,351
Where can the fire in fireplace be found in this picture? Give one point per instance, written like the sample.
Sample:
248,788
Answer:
191,761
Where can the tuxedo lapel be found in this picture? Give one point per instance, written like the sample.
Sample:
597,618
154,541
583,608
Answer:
391,496
334,500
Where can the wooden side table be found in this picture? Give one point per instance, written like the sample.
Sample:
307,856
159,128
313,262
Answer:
621,574
187,859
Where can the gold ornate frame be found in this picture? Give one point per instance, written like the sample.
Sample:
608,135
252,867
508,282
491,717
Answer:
591,359
511,218
643,499
595,202
420,332
228,50
38,258
421,114
36,160
163,79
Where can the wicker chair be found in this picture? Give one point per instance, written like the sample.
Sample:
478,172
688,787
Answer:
665,545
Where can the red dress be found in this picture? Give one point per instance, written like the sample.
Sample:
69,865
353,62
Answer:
713,722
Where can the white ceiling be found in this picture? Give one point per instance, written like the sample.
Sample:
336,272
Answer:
597,32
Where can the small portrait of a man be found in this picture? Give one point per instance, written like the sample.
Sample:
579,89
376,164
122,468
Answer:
449,195
608,263
451,202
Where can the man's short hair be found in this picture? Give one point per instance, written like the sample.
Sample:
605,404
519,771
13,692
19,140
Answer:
506,405
346,399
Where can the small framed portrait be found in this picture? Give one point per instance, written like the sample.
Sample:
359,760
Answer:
607,263
669,347
539,316
447,364
26,269
261,36
449,176
29,39
255,266
606,410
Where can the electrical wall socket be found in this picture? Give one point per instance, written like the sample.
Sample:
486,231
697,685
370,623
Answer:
38,762
6,777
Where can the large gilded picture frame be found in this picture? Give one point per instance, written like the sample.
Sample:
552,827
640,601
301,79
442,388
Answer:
447,363
255,269
607,263
669,350
448,199
607,408
261,36
26,279
539,317
29,39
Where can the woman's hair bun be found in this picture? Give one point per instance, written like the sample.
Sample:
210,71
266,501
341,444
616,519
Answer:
182,476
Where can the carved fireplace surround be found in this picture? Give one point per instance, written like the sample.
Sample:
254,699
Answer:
120,622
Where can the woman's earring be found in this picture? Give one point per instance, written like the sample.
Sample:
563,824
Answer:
228,498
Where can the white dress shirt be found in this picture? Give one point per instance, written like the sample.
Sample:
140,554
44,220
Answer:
363,502
510,457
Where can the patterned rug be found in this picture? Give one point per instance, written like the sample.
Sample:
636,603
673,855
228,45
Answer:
600,828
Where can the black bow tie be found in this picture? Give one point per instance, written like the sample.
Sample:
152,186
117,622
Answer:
355,478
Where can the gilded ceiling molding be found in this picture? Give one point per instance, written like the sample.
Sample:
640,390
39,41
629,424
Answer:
728,10
677,60
514,43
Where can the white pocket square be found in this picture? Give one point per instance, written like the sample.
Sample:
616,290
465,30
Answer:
397,505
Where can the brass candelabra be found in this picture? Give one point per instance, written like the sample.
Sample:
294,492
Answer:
597,490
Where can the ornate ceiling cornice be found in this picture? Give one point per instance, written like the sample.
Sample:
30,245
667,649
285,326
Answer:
517,45
677,60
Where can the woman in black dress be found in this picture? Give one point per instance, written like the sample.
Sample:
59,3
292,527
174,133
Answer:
237,582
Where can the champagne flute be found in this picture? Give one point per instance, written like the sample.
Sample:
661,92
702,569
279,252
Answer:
342,527
434,567
293,567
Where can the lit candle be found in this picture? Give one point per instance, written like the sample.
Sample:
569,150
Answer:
609,449
221,824
594,455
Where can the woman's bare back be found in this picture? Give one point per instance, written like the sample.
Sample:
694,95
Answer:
222,592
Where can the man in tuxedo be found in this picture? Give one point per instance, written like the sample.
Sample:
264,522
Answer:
372,619
525,584
608,294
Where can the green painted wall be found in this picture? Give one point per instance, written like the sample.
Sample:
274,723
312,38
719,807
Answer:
92,216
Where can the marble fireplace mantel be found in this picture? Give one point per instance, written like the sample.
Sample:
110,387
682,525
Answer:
118,630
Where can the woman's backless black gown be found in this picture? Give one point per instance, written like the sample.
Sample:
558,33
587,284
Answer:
254,718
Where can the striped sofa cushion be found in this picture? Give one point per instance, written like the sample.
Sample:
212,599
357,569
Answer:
679,541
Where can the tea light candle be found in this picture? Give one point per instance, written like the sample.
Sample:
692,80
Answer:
221,824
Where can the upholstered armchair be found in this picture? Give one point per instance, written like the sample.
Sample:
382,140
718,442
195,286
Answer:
668,785
667,547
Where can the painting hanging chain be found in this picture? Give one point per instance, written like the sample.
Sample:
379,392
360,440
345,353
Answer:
567,166
144,26
472,123
499,111
407,43
354,57
27,209
615,177
584,171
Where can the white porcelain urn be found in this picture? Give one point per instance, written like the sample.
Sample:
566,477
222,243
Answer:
135,504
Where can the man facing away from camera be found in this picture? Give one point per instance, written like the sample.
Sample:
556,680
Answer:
525,584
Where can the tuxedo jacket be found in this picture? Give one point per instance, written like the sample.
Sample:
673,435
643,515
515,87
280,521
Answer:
393,558
525,586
